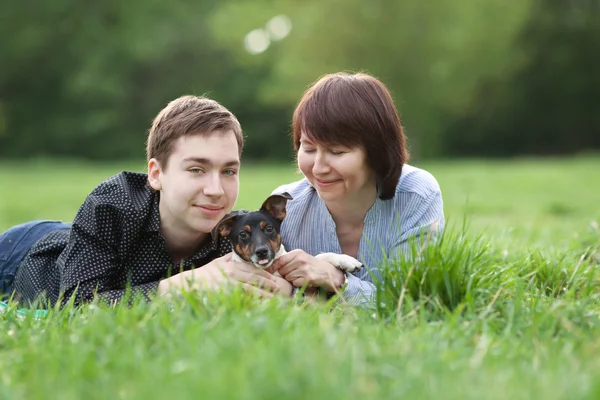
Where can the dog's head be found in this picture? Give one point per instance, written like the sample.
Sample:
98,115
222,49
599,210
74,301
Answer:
255,235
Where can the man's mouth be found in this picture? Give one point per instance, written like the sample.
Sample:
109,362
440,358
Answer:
210,210
210,207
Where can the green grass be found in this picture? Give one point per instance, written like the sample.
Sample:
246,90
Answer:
506,309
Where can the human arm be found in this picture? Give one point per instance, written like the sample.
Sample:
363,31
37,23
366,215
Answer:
103,279
93,263
222,272
422,227
316,275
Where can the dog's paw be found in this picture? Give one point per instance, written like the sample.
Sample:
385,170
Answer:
342,261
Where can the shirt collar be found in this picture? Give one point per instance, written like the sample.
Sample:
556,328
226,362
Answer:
206,250
154,220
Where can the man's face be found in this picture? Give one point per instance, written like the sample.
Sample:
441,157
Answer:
200,184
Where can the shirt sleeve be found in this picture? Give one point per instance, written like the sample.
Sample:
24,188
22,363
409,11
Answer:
92,264
425,220
359,292
426,223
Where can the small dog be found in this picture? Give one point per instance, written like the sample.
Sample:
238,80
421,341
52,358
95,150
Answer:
256,239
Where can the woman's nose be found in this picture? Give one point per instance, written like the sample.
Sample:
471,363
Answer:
321,166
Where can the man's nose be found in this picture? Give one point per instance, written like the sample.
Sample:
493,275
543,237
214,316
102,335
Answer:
214,186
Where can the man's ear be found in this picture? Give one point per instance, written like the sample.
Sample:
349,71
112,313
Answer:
154,171
275,205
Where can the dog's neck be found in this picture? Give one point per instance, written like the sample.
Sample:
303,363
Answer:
280,252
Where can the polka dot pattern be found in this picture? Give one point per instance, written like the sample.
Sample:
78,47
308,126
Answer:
114,240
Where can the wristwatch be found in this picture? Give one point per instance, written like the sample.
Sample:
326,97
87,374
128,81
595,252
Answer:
340,288
296,293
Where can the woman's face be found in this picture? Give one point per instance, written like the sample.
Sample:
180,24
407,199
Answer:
336,172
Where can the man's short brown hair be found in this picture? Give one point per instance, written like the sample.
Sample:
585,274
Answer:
188,115
355,110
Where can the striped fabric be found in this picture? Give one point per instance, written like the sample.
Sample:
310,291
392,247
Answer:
416,208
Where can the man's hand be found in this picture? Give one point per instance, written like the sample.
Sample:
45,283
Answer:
222,272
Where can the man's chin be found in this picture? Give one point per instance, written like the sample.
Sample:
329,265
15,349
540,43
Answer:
204,227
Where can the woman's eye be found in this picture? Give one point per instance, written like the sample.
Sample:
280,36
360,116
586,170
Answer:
244,235
269,229
336,152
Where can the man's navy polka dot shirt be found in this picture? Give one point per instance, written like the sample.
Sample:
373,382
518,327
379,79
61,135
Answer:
114,242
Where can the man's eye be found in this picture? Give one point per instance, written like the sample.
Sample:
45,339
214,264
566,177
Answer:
269,229
244,235
229,172
196,170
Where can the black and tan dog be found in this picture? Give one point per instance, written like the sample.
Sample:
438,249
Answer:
256,239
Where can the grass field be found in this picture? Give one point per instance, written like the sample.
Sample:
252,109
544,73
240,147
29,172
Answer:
510,310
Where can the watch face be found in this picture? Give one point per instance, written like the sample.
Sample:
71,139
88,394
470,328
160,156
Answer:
341,288
345,281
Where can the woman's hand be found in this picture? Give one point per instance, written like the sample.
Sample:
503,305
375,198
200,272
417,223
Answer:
300,268
222,272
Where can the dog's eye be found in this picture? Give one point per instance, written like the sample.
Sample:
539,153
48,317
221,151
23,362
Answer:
244,235
269,229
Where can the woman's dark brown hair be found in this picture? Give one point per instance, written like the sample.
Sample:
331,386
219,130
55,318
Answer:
355,110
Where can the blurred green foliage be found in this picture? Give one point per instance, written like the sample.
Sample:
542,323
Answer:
84,79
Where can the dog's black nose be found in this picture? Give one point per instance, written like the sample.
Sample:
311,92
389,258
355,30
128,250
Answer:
262,252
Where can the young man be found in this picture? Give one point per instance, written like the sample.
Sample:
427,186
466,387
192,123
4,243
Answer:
150,231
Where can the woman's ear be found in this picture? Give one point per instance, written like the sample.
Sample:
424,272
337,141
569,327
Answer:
154,173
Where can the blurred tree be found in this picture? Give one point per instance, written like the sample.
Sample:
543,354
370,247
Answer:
551,105
85,78
432,55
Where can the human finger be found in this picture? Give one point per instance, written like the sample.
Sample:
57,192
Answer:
294,266
298,282
278,263
225,258
261,293
260,279
247,270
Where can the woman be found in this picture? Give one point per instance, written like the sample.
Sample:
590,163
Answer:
358,195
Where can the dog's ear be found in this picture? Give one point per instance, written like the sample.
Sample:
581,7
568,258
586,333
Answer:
224,226
275,205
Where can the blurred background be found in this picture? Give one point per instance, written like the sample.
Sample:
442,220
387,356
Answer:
495,78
